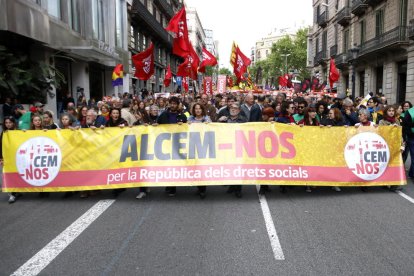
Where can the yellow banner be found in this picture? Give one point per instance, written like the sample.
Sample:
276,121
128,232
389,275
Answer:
201,154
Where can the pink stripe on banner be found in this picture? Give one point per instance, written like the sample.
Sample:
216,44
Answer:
245,172
217,173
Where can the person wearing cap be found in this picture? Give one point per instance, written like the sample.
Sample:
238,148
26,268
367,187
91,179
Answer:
24,118
235,117
39,108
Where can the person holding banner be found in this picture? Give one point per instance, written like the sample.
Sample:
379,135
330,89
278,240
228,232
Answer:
286,113
115,120
348,113
9,123
172,116
199,116
210,110
235,117
224,113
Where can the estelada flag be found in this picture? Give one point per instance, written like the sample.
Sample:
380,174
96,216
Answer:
239,61
178,26
118,75
208,60
144,63
333,73
168,76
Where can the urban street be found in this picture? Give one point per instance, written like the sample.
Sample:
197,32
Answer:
320,233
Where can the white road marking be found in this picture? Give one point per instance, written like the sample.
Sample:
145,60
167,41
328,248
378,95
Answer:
410,199
48,253
270,226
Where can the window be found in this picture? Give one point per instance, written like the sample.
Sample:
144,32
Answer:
379,22
362,31
53,8
119,14
403,12
73,14
324,43
132,37
98,19
346,41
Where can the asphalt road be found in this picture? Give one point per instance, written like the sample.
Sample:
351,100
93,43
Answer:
320,233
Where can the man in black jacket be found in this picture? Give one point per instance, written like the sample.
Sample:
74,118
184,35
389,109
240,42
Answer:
172,116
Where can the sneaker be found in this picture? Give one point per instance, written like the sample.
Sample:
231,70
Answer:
230,189
308,189
141,195
171,193
336,189
12,199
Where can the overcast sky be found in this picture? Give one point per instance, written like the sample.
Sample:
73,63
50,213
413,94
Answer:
246,22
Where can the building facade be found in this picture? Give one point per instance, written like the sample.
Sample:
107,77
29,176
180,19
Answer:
372,42
263,48
147,22
84,40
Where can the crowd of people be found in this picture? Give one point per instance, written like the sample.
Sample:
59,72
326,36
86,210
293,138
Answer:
129,110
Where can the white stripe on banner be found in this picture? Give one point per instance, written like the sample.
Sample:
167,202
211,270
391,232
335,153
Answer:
46,255
270,226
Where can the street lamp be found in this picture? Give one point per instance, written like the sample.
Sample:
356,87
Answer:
286,56
354,52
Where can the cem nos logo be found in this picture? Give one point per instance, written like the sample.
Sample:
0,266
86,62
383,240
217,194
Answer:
367,155
38,161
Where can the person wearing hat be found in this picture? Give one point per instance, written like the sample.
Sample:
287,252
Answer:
24,118
39,108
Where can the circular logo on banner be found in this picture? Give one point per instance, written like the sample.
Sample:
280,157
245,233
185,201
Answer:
38,161
367,155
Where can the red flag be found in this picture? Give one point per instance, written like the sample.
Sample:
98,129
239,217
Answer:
239,61
183,68
185,84
283,81
333,73
178,25
190,65
168,76
144,63
208,60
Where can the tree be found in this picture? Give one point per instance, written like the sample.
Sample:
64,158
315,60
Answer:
26,79
224,71
278,64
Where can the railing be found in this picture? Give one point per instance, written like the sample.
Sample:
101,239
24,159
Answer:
374,2
165,7
333,50
144,16
322,19
344,16
397,35
411,30
359,7
341,59
320,57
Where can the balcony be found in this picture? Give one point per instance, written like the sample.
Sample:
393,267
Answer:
141,16
359,7
344,17
411,30
341,61
165,7
333,51
373,3
322,19
320,58
388,40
